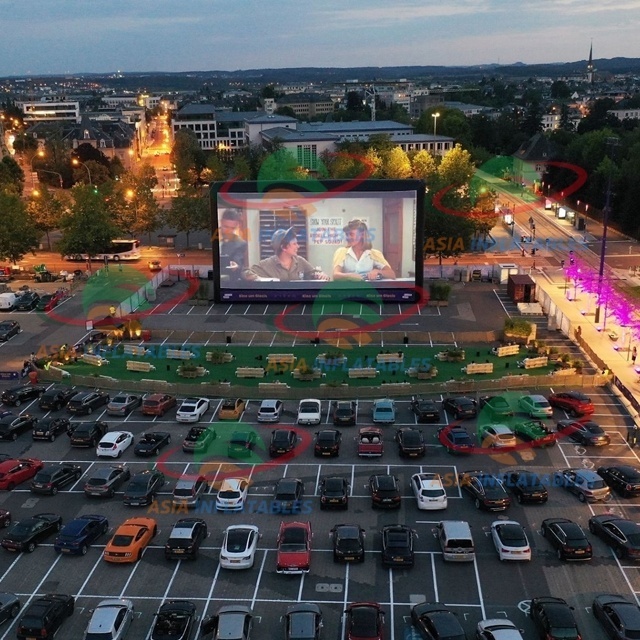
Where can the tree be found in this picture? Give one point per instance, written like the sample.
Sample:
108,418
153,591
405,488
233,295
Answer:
91,172
423,166
87,227
189,212
11,176
396,164
45,211
456,167
560,90
18,234
187,157
280,165
532,122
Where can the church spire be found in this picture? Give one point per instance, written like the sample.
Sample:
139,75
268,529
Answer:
590,67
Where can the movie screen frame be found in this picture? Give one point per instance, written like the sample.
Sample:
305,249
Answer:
329,240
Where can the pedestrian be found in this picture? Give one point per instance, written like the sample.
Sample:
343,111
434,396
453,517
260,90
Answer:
634,355
632,435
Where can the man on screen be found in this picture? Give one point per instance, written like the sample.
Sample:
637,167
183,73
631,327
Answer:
358,260
233,248
286,265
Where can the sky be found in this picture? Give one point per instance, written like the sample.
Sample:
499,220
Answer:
104,36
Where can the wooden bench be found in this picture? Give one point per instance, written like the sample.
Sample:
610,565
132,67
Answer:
506,350
273,387
281,358
179,354
134,350
535,363
332,361
221,357
93,359
198,372
315,374
390,357
138,365
364,372
422,373
250,372
478,367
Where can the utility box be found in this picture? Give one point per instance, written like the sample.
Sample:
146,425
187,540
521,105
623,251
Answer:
501,272
521,288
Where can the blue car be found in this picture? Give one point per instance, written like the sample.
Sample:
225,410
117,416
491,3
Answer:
78,534
384,411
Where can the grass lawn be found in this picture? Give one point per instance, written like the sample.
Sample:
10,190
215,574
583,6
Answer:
414,356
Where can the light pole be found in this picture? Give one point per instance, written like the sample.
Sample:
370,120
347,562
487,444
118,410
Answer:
37,154
611,144
132,197
435,117
75,162
55,173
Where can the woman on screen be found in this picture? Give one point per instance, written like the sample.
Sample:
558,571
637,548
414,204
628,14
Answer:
286,265
358,260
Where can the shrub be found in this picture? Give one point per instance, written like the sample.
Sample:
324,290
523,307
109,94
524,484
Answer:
517,327
439,291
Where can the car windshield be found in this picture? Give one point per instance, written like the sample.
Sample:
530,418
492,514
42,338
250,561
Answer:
384,409
120,540
397,539
308,407
138,484
432,493
293,539
596,484
96,482
229,494
512,535
43,476
333,484
120,400
237,540
562,633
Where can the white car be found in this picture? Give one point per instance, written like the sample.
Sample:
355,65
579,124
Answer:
192,409
239,546
497,435
114,443
510,540
428,491
536,406
309,411
232,494
498,629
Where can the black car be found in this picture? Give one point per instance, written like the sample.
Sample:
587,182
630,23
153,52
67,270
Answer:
9,606
425,410
327,444
85,402
567,538
622,535
150,443
456,439
344,413
199,438
27,301
302,622
12,426
8,329
348,543
435,622
619,618
385,491
334,493
50,479
554,619
77,535
241,444
288,494
44,616
50,428
526,486
410,442
282,441
460,407
397,545
364,620
175,619
55,398
87,434
143,488
622,478
17,395
588,433
25,535
487,490
185,539
104,481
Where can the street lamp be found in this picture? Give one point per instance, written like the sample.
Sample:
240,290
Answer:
38,154
55,173
75,162
435,117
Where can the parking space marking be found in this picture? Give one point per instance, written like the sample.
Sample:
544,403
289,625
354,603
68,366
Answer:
255,592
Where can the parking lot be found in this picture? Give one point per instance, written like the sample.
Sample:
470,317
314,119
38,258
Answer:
483,589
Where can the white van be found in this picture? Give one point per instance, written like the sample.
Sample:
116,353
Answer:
7,301
456,541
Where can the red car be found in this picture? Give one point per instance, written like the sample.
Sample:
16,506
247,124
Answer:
50,301
364,621
294,548
157,404
575,403
15,471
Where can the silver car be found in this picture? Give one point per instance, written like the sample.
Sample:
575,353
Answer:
270,411
110,620
232,622
188,491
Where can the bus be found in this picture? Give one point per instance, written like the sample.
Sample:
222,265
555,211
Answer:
120,249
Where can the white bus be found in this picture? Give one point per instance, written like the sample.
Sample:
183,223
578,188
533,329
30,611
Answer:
120,249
